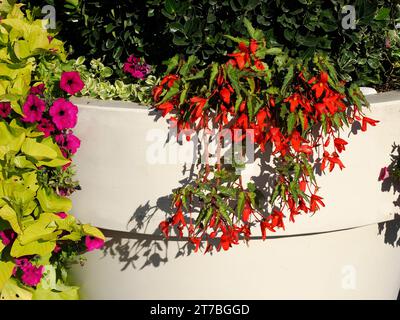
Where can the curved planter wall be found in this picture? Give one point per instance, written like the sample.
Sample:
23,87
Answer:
125,189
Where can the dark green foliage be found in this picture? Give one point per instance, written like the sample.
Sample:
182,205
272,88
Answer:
158,29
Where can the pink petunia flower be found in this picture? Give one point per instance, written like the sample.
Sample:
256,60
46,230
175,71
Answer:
72,143
33,109
7,236
135,68
64,114
38,90
31,275
46,126
71,82
93,243
5,109
384,174
62,215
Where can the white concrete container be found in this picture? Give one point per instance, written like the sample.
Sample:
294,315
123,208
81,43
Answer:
336,253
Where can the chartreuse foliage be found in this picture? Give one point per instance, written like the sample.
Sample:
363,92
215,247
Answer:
30,202
22,41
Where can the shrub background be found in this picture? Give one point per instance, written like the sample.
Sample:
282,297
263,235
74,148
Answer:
158,29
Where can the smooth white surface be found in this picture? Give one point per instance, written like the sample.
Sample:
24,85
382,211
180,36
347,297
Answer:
354,264
368,91
118,179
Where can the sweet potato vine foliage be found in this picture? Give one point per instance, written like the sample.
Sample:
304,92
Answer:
39,237
296,107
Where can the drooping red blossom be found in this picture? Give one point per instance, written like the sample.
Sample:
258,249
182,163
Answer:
321,86
366,121
340,144
315,203
164,227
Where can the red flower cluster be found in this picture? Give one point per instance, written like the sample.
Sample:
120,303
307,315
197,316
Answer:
285,122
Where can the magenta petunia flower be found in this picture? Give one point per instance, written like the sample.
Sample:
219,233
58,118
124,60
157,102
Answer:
132,59
7,236
71,82
5,109
31,275
135,68
64,114
33,109
72,143
38,90
93,243
62,215
46,126
384,174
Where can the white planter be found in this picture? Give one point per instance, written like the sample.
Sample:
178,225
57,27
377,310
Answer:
311,259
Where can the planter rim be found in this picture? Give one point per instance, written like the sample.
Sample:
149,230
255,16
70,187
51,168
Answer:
377,99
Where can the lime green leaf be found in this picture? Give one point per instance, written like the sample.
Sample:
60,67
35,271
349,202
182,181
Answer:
172,63
288,79
240,204
291,122
8,214
71,293
11,139
6,269
92,231
213,75
38,150
39,247
51,202
11,291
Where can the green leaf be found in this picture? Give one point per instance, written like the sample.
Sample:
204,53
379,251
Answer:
291,122
187,67
273,51
51,202
11,139
173,91
213,75
40,247
71,293
240,204
11,291
172,63
92,231
7,213
382,14
38,150
6,269
288,79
